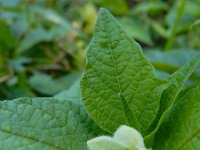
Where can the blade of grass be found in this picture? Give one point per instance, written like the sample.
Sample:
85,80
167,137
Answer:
180,10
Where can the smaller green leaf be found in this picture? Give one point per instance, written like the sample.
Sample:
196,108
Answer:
169,95
177,82
181,128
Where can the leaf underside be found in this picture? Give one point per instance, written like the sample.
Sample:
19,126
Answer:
119,85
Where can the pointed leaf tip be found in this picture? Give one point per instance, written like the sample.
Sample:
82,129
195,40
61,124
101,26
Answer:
103,10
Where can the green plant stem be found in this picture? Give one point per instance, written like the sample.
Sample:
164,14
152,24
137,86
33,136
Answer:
172,35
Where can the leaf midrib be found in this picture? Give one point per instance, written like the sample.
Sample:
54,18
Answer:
113,60
127,111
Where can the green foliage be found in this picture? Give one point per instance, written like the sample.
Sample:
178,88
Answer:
42,53
105,82
33,39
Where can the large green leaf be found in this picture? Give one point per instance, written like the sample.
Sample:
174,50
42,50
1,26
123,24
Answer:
119,85
44,124
181,129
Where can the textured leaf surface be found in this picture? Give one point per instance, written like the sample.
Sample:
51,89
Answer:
44,124
181,129
119,85
169,95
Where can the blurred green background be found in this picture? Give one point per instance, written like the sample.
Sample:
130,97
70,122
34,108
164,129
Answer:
43,42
